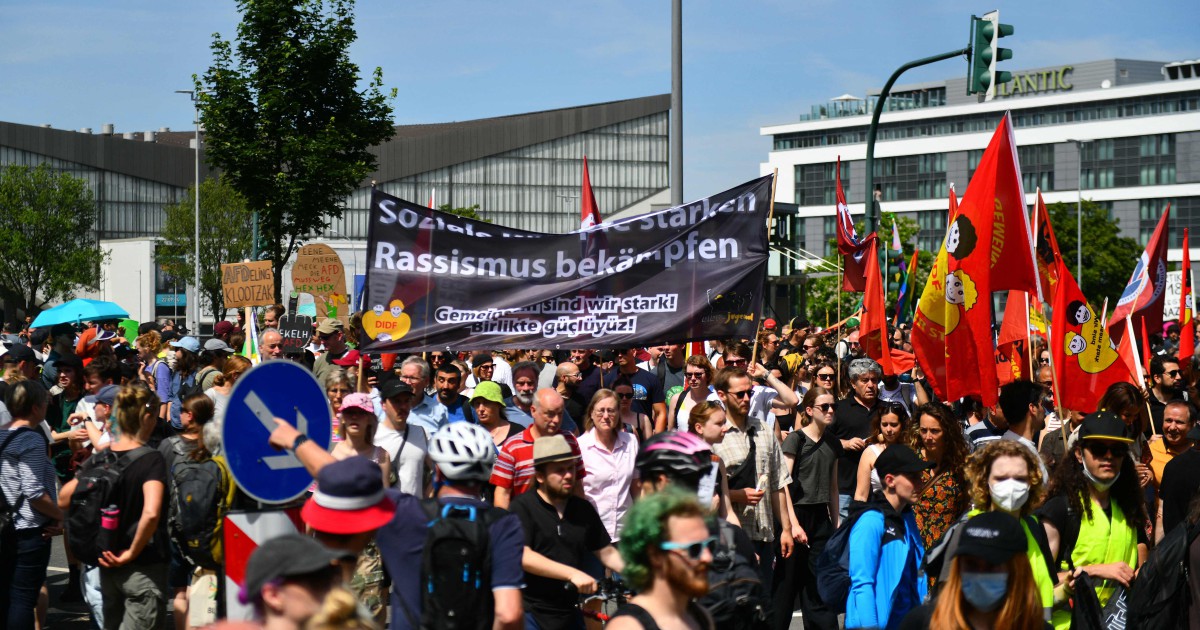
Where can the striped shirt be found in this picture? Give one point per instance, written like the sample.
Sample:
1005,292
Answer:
757,520
25,475
514,463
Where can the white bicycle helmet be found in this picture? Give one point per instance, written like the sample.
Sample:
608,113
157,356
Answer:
463,452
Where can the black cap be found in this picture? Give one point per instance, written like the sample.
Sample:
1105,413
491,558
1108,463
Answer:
39,336
898,459
20,352
70,360
482,359
391,386
1104,425
992,536
287,556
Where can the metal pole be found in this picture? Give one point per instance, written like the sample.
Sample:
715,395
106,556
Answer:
196,271
676,102
872,218
1079,220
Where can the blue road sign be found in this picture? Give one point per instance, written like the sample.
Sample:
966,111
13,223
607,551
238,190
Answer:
275,389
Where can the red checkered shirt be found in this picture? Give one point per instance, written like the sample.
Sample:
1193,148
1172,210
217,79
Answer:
514,464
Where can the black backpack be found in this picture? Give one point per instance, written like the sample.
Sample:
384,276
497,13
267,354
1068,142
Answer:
1160,596
833,565
736,597
456,567
201,492
96,480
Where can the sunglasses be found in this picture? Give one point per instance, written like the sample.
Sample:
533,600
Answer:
825,376
692,550
745,393
1101,449
826,407
1172,373
628,396
736,362
695,374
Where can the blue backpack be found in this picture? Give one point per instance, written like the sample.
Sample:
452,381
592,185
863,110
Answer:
833,565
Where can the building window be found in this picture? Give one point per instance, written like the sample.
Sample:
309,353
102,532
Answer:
830,235
816,184
973,158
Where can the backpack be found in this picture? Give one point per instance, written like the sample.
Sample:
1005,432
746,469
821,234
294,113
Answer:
201,375
833,565
96,481
456,567
736,597
1160,596
188,390
201,492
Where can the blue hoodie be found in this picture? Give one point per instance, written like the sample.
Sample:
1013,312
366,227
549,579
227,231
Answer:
885,556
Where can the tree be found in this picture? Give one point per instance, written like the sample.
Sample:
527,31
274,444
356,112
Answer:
225,226
285,118
48,247
1109,257
825,292
471,212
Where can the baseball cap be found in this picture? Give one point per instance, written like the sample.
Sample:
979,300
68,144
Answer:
1104,425
191,344
349,498
769,324
291,555
105,335
217,345
223,327
68,360
899,459
552,448
993,536
350,358
482,359
852,322
329,326
106,395
488,390
20,352
391,386
358,401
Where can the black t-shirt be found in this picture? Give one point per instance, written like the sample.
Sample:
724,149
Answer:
815,465
850,420
1178,486
576,406
129,498
589,381
647,390
568,541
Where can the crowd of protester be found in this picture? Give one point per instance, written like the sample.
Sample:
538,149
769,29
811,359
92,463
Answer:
743,486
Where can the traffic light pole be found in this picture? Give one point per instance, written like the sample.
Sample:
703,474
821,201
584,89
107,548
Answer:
872,218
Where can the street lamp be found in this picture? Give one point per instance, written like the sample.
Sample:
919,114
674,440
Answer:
1079,212
195,96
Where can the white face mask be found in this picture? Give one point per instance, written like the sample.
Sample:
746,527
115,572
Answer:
1010,495
1100,486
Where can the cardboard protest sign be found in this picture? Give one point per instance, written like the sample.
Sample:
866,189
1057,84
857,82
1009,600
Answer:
248,284
319,272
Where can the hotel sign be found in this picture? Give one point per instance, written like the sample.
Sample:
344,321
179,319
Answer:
1054,80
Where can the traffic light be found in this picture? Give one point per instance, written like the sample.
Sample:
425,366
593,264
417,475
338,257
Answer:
986,53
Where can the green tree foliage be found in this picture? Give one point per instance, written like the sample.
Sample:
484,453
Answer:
48,249
225,237
286,119
825,292
1108,258
471,212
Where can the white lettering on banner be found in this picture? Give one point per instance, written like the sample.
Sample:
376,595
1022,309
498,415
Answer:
497,321
1171,299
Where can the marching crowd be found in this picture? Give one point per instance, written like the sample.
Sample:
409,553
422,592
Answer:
642,487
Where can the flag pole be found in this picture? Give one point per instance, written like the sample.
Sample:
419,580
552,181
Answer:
1141,375
770,231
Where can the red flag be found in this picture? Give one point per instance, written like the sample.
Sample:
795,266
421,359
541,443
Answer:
987,249
1145,350
1015,325
873,334
1143,296
1187,330
852,249
1045,245
1129,353
590,213
1086,358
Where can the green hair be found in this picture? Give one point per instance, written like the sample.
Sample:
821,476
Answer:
646,527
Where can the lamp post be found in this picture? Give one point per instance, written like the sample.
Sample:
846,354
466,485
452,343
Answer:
195,327
1079,212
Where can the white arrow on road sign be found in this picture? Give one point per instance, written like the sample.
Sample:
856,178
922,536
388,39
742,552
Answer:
264,415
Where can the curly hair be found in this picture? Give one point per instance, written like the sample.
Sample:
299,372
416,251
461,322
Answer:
955,451
1069,481
646,527
979,468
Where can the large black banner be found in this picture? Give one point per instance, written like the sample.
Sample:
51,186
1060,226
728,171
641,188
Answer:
692,272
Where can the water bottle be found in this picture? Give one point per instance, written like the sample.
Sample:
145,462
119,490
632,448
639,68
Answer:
110,521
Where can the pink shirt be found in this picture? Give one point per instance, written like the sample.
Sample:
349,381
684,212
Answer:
610,476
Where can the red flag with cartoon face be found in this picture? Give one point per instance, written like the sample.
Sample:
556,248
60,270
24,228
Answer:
988,248
1088,361
1187,330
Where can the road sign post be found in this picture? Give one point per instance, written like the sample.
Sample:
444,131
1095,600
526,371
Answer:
274,389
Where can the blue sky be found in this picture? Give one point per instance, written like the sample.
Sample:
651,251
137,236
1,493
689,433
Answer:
83,63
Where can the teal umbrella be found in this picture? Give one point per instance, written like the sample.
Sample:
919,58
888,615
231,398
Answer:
77,311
